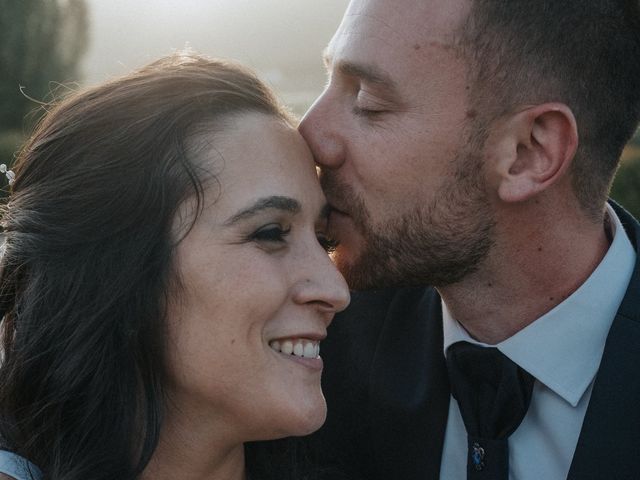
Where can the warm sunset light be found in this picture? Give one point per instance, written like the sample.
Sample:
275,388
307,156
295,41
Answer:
283,39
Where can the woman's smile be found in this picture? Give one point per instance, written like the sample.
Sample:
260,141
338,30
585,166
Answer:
301,350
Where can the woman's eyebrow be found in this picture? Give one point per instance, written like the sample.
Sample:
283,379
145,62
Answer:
274,202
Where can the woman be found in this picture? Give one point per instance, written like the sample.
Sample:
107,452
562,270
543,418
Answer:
164,286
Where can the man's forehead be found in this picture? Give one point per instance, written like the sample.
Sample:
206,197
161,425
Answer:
410,22
389,43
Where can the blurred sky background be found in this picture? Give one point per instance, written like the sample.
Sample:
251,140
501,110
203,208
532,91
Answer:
42,40
282,39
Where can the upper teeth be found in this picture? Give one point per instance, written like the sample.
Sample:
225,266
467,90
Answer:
299,347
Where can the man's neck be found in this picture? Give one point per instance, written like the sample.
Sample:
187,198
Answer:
524,278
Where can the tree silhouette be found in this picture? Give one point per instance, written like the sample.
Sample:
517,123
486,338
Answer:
42,42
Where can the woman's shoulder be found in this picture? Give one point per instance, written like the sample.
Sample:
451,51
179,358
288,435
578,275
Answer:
15,467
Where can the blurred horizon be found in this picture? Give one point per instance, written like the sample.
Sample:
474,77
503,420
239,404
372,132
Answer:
281,39
51,45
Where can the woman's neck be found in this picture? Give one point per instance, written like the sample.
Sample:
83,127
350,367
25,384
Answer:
169,465
190,449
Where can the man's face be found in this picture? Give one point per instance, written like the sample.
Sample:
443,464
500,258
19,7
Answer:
398,152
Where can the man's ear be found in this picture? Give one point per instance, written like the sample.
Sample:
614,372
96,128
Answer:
536,148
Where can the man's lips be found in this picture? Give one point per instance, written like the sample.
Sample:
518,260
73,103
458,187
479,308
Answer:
339,223
338,210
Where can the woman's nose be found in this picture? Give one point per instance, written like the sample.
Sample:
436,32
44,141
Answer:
321,284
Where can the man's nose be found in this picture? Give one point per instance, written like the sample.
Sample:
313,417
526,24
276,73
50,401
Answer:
320,127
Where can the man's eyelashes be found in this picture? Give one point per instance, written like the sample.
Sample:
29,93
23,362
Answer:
329,244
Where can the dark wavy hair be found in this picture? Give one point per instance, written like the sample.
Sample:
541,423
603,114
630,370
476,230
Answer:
584,53
87,272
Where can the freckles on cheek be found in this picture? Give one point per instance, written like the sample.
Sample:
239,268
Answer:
246,298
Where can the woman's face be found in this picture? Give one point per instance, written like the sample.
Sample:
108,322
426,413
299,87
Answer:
258,290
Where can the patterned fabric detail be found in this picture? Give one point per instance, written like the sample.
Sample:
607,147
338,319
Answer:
18,467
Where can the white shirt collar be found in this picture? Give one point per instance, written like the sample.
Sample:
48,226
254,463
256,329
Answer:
563,348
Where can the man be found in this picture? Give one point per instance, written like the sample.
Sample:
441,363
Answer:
470,145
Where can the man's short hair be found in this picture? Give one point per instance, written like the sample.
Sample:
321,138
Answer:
584,53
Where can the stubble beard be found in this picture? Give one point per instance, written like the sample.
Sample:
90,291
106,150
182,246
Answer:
437,244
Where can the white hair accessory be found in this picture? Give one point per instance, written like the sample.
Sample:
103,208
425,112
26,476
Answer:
8,173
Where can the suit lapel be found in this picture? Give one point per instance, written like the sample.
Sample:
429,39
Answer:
410,390
610,436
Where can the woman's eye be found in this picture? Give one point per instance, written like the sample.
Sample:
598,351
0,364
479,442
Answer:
329,244
271,234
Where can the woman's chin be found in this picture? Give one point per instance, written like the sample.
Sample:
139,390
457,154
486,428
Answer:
313,422
302,420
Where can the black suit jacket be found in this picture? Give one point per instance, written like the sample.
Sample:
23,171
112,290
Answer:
388,394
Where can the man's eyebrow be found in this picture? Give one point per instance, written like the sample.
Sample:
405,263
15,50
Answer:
275,202
369,73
